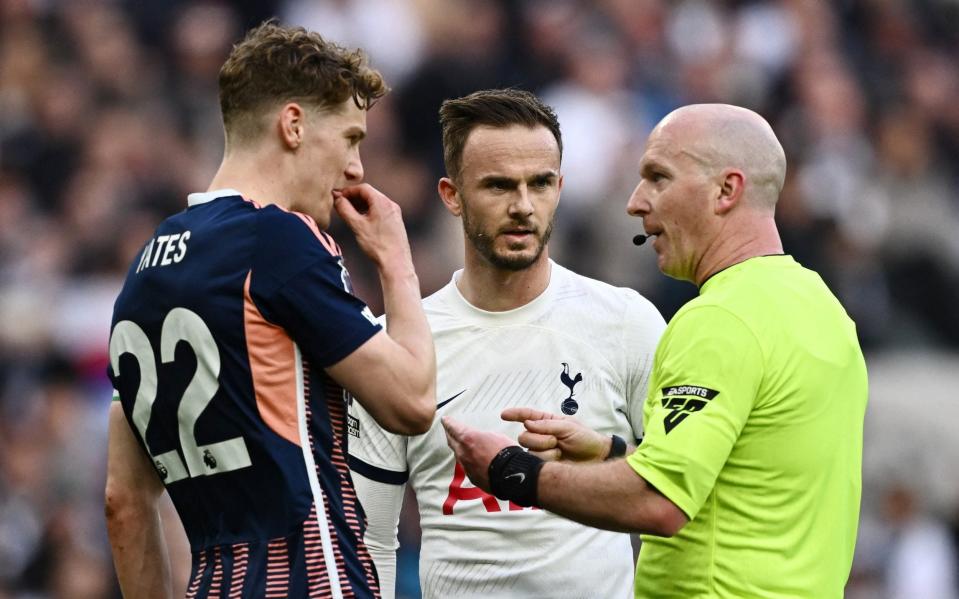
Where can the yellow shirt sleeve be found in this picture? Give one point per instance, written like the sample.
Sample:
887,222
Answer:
704,384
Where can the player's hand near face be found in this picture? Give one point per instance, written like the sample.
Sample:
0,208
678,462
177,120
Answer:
393,375
377,222
553,437
474,449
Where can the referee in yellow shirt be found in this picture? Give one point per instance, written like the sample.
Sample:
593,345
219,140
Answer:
748,481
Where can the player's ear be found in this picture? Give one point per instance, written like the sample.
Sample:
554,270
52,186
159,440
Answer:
732,184
450,195
290,124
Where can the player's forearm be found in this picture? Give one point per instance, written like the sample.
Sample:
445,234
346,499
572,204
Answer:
406,322
139,551
408,327
610,496
133,521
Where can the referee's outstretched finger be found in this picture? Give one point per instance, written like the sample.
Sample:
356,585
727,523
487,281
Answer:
523,414
554,427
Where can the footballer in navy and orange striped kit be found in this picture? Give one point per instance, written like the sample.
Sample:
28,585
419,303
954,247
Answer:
219,341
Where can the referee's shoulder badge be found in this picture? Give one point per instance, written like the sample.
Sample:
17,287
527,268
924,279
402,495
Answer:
683,400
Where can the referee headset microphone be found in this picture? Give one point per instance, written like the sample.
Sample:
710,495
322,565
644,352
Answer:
640,239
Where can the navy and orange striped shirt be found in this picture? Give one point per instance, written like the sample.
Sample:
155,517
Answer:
219,341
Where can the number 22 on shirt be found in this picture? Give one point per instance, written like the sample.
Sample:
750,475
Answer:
179,325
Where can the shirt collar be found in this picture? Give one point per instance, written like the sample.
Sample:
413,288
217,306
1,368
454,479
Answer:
528,312
195,199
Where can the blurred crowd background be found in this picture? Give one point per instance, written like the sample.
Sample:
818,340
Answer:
109,117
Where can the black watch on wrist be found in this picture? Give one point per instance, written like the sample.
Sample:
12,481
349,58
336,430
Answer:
617,447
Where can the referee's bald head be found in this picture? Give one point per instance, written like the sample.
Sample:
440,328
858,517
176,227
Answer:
720,136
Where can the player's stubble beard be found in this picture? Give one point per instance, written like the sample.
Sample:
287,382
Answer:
485,242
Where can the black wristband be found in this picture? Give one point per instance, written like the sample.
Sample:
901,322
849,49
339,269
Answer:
617,447
513,474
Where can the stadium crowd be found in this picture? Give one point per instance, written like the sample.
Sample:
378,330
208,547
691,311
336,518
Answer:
109,118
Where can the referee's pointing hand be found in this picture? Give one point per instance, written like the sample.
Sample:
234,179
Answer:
554,437
474,449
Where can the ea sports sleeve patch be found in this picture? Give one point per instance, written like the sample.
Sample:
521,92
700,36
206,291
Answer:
682,400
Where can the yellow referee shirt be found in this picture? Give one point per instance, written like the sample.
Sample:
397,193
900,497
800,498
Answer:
754,429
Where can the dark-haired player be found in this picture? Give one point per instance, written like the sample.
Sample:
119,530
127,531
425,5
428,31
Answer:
511,328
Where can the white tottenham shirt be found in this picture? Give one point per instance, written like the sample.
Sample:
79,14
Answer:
583,348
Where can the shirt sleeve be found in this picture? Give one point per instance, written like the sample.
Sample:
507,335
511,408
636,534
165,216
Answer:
379,470
299,282
321,315
643,327
705,380
382,504
375,453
